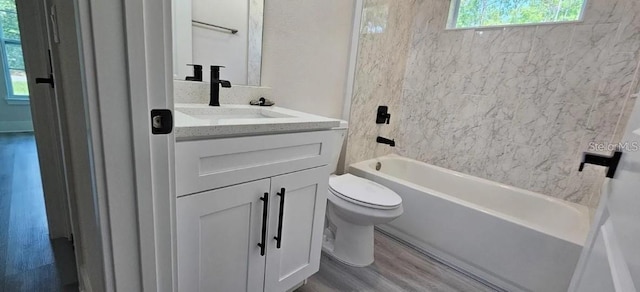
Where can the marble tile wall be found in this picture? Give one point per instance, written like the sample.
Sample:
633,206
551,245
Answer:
382,56
519,105
516,105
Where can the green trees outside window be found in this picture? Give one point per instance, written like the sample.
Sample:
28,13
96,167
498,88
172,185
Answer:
482,13
11,47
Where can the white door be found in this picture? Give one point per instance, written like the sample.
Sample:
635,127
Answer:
610,260
45,109
218,236
300,217
63,48
125,73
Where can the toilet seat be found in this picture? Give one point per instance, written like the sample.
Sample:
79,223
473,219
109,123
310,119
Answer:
364,192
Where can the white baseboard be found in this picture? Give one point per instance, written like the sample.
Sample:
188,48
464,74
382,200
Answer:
16,126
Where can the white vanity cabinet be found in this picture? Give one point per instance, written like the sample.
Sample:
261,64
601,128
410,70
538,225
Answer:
218,232
275,193
305,201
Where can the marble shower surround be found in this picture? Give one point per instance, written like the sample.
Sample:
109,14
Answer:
516,105
380,69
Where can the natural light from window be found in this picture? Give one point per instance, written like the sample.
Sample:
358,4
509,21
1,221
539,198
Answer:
490,13
12,60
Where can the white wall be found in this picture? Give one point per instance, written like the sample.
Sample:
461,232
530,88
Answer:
14,117
305,53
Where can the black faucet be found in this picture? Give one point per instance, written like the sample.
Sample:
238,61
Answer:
383,140
214,96
611,162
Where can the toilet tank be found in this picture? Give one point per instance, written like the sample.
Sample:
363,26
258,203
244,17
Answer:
339,136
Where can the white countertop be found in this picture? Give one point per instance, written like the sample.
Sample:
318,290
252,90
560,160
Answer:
200,121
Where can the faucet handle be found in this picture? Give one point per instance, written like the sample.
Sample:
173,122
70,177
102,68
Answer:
383,115
197,73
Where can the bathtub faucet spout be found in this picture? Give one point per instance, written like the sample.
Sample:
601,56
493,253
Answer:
383,140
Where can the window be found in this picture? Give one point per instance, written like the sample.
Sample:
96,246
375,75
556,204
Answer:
11,47
488,13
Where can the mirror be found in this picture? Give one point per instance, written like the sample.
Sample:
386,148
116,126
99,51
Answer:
218,32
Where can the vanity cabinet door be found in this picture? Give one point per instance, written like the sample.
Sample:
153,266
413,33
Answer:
218,235
302,224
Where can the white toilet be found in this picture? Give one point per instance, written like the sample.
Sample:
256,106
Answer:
354,206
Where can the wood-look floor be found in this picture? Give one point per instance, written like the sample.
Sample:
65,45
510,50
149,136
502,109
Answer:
396,268
29,261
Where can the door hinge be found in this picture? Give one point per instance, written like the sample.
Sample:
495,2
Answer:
161,121
53,15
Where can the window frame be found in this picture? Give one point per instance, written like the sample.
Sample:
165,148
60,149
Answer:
10,97
454,8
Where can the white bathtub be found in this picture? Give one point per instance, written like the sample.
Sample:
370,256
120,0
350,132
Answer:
512,238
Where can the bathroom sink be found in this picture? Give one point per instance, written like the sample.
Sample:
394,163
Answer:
229,115
200,121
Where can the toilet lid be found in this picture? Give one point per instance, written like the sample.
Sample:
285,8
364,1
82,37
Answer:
364,191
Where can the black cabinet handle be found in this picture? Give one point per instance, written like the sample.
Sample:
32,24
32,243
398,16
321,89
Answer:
265,209
280,215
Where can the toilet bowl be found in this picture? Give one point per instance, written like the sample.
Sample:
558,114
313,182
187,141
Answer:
354,206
